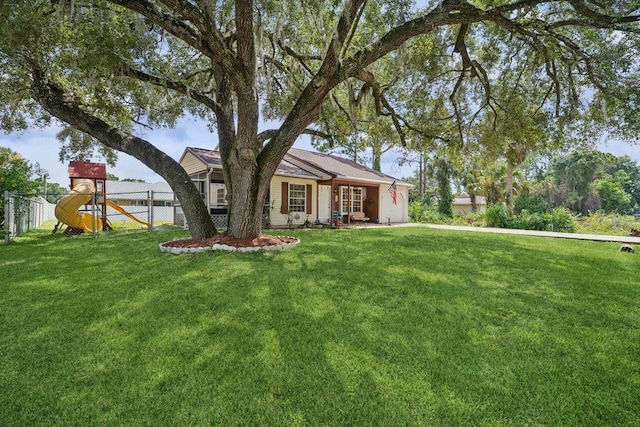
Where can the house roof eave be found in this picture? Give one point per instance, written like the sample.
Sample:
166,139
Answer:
320,172
374,181
305,166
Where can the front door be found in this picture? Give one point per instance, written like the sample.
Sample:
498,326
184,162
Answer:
324,203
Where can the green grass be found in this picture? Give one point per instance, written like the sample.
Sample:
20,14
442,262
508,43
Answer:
397,326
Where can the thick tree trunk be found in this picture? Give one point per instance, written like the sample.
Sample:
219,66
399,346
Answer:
53,99
247,192
245,213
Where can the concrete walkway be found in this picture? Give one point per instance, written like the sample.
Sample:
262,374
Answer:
595,237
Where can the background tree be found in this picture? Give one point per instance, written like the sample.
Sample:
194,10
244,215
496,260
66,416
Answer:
440,169
469,178
587,180
613,198
631,185
15,176
106,67
53,192
15,172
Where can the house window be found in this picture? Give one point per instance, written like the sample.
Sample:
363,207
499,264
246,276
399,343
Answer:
351,199
199,180
220,197
297,197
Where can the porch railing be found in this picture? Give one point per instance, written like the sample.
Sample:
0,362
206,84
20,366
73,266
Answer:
220,221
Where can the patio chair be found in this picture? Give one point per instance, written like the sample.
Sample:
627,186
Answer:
337,219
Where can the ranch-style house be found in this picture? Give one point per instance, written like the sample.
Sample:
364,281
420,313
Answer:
307,187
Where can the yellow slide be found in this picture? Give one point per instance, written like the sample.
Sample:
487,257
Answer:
122,211
67,207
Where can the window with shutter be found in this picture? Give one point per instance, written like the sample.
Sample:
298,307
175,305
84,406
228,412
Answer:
297,198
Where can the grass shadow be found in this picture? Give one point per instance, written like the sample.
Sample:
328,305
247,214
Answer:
387,326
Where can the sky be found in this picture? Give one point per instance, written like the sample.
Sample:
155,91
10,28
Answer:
41,146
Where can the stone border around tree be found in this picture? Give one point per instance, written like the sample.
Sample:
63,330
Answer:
227,248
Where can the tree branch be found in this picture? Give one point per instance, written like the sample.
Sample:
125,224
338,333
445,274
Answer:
266,135
211,45
595,16
245,38
352,30
447,13
63,105
172,85
533,39
346,25
300,58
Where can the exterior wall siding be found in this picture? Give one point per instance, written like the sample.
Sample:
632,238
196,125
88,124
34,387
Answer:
281,220
398,212
192,164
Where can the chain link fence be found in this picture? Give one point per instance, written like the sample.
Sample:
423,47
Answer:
143,210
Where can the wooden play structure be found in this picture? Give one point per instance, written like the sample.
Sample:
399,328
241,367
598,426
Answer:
84,208
87,182
88,189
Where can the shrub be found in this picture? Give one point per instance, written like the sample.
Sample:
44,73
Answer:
416,211
533,203
434,217
473,219
420,212
563,220
600,223
539,221
445,205
496,216
560,219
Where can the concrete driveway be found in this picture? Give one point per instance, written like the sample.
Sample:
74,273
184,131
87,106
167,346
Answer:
577,236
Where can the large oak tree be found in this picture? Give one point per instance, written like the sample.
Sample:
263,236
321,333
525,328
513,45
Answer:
107,68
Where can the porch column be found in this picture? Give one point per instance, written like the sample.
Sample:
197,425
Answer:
207,192
349,204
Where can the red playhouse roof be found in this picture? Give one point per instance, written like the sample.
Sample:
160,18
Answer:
87,170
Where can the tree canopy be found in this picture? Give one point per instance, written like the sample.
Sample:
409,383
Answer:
109,68
586,181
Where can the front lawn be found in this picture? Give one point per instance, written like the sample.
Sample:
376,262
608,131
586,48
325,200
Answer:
395,326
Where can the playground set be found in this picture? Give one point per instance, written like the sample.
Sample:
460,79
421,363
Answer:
88,189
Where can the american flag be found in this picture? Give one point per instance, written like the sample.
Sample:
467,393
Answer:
392,190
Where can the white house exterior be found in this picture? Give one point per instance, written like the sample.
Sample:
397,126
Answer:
462,204
307,186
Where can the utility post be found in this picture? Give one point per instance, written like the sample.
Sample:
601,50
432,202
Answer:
7,211
150,210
